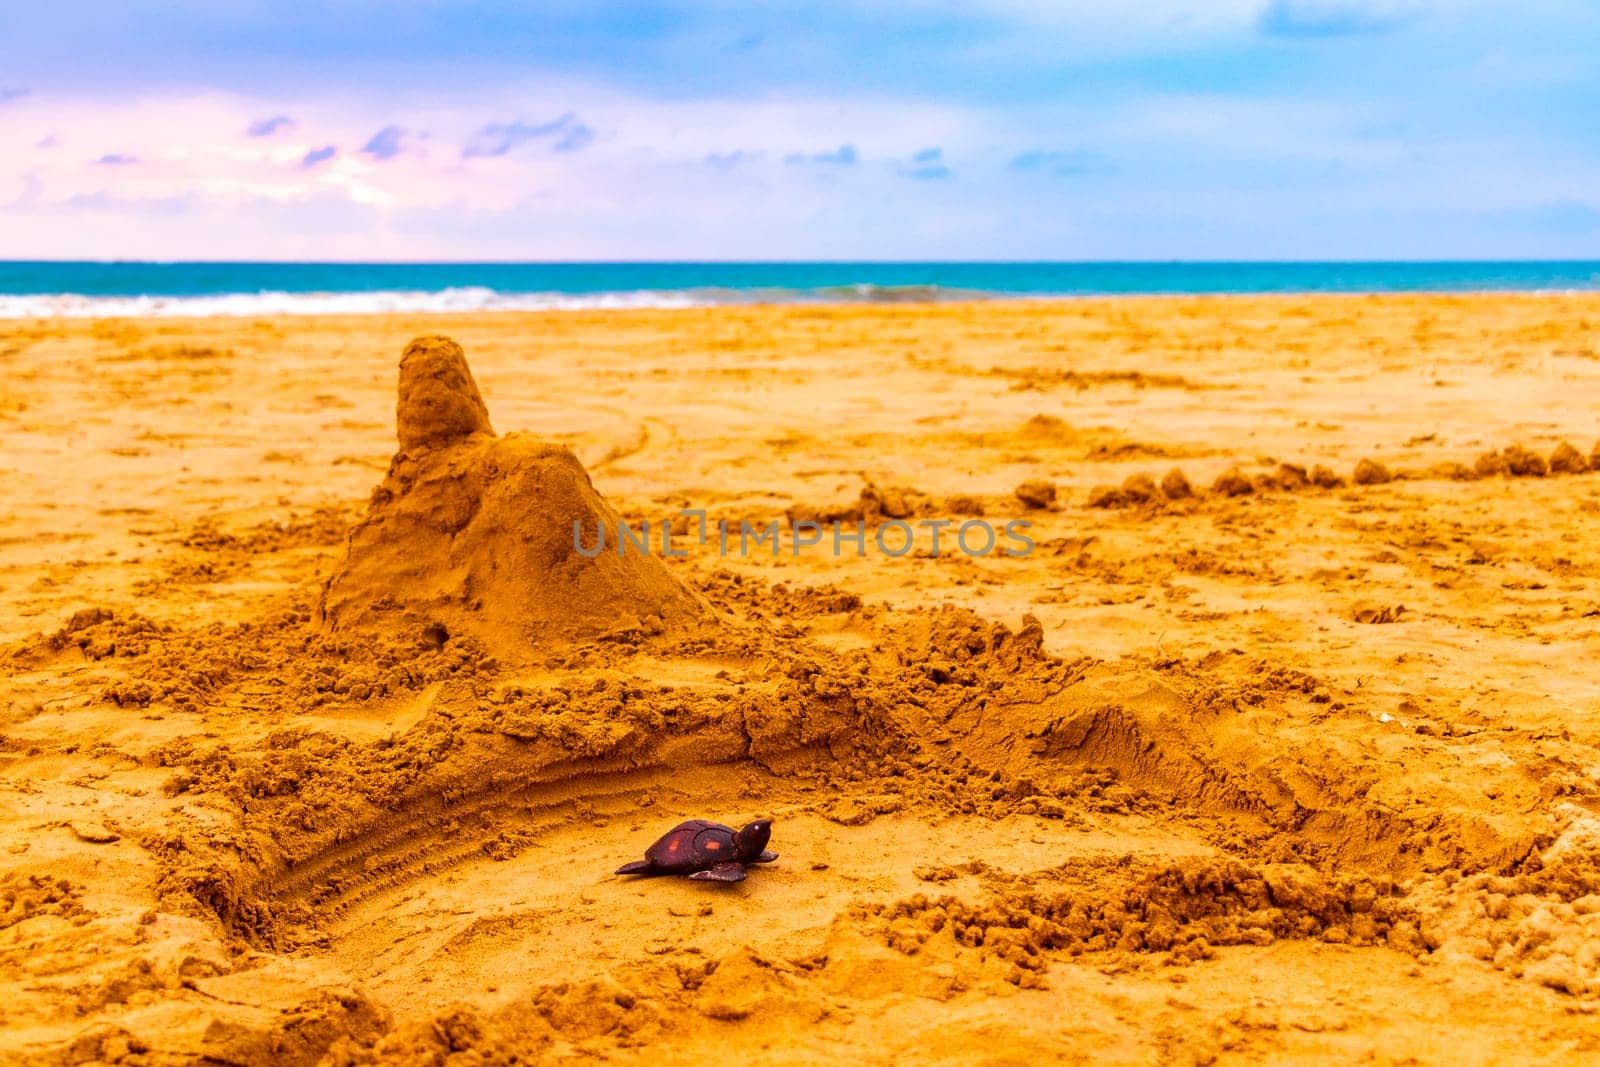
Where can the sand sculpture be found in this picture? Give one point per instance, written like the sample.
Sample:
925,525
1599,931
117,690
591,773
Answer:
472,532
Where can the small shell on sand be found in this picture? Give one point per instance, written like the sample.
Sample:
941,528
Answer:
96,833
1377,614
1371,472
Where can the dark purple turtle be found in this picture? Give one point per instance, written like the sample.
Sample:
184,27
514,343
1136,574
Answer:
706,851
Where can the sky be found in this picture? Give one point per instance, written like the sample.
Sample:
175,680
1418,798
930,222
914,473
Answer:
900,129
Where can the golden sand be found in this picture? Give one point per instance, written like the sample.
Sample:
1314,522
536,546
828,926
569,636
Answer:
319,744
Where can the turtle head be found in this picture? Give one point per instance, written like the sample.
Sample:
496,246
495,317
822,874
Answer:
752,840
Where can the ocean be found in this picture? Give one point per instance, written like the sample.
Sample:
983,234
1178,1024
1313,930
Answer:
90,289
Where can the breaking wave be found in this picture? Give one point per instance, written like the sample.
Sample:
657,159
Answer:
462,299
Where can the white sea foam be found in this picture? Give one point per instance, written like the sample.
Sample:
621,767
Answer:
76,306
464,298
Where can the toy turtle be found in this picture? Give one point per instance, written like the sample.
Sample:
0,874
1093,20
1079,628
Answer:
706,851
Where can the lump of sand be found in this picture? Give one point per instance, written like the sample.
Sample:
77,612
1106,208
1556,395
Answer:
1490,464
893,502
1567,460
964,504
1175,484
473,533
1325,478
1453,471
1140,489
1371,472
1232,482
1293,476
1107,496
1037,495
1524,462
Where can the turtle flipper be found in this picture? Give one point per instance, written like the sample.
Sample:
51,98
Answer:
766,857
636,867
722,872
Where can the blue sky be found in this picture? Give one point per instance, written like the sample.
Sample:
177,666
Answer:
1147,129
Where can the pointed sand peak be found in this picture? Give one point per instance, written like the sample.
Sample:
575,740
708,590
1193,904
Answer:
439,402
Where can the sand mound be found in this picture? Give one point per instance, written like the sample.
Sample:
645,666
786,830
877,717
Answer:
1371,472
1567,460
1541,923
474,533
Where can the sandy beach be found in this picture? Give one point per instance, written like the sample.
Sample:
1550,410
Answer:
315,753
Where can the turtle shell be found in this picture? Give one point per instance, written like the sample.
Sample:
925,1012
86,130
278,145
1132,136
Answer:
695,845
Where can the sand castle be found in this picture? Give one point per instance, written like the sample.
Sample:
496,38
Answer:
471,532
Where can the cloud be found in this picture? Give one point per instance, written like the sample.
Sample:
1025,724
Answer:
102,201
730,160
49,140
32,186
498,138
268,127
566,134
8,94
577,138
1229,143
116,159
385,144
1329,18
927,165
843,156
1048,161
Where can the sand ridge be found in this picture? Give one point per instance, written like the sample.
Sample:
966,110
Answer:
1182,786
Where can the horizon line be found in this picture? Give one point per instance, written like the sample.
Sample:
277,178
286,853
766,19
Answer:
1176,262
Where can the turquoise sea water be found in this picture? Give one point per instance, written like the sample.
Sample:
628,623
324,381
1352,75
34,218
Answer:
80,289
